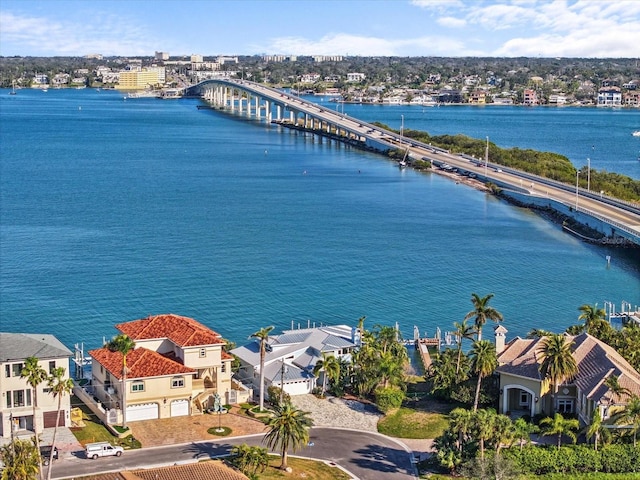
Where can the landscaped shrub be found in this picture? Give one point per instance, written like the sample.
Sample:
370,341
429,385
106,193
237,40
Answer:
541,460
388,398
274,393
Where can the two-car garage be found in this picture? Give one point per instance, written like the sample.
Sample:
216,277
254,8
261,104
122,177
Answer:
150,411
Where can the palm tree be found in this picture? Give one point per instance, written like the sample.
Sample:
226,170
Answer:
390,369
504,432
538,333
483,421
263,336
288,427
462,331
591,315
59,386
613,383
20,459
558,425
630,415
482,312
596,429
34,374
558,363
330,366
484,362
460,422
523,430
124,345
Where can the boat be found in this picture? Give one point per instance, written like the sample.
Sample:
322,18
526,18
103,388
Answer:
636,133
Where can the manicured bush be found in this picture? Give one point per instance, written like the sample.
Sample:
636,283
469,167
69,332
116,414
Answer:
388,398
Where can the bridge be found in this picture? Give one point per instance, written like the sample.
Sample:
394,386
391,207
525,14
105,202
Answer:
617,220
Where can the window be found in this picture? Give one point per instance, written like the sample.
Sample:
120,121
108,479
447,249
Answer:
177,382
19,398
223,368
565,406
524,398
7,370
17,369
137,387
52,365
203,352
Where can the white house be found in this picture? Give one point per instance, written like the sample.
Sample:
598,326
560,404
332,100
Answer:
16,405
290,357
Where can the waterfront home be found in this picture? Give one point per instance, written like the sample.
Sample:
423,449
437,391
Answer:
291,357
16,405
176,368
524,391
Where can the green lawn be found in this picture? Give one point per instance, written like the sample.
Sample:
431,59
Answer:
409,423
94,430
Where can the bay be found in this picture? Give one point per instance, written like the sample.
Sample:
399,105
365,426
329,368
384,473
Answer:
113,209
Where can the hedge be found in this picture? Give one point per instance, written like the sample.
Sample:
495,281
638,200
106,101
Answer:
541,460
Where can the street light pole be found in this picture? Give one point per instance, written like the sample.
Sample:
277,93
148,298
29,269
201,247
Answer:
486,157
577,175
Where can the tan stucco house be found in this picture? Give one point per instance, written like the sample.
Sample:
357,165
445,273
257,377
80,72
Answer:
16,404
524,391
177,367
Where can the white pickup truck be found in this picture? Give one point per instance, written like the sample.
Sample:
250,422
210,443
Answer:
102,449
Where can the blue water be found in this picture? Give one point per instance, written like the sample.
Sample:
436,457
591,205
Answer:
111,210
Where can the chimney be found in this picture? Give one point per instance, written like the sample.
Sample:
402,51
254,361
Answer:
500,334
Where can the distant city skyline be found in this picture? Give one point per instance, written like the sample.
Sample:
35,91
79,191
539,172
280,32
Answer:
405,28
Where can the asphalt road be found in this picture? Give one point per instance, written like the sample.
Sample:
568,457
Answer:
366,455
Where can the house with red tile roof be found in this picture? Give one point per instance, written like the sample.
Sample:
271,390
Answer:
177,367
523,389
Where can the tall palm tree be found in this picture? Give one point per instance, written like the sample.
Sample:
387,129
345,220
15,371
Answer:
558,425
484,362
263,336
288,427
462,331
390,369
630,415
59,386
124,345
330,366
558,364
35,375
482,312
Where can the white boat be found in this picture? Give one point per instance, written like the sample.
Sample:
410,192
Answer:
636,133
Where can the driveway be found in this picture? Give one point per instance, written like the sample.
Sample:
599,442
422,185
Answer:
179,430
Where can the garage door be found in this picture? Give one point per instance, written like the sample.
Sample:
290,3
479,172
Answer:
49,419
179,408
143,411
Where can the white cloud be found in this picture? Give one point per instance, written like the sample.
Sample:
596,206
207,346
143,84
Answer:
452,22
104,34
344,44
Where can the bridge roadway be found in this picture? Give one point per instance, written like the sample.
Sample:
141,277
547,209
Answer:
615,218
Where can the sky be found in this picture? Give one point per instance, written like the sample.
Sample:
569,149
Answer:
405,28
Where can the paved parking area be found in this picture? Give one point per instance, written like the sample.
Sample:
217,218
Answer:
170,431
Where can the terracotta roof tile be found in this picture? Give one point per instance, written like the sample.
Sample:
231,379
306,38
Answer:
142,363
211,470
183,331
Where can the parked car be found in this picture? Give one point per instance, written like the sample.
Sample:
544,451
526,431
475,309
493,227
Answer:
102,449
45,454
